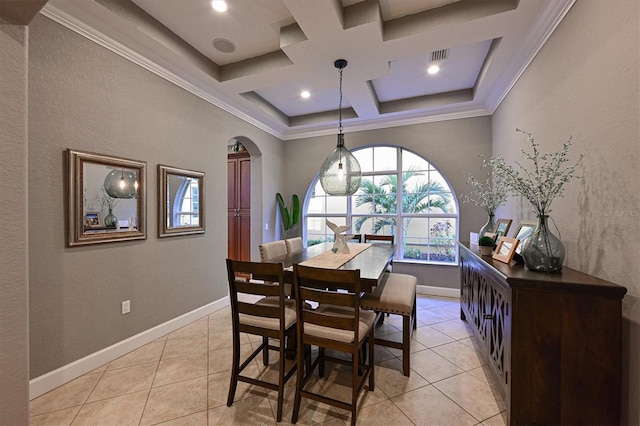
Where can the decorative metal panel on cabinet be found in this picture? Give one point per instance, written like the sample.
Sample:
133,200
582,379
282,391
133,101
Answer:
553,340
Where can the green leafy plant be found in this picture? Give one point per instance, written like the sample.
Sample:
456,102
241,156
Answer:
412,253
486,242
288,218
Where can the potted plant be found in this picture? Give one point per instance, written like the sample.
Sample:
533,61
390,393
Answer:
288,218
485,244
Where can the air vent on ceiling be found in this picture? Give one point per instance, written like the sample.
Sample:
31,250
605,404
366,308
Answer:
440,55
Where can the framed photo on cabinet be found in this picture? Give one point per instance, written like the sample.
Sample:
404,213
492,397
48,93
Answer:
506,249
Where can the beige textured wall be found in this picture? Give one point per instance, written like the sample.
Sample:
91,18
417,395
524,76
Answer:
585,83
14,277
85,97
449,145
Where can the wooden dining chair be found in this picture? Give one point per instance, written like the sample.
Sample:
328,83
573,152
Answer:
380,239
294,245
338,324
272,316
356,238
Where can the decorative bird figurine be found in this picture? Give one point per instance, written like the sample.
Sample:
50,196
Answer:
340,239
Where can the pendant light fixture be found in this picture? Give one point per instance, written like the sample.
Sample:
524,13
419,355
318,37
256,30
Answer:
340,173
121,184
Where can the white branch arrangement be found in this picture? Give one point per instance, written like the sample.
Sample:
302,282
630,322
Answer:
546,177
489,195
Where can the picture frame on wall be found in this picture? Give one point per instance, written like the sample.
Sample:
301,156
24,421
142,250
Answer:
506,249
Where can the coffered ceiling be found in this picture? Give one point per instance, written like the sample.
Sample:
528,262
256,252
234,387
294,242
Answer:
256,58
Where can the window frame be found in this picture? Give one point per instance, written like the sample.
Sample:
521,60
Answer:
350,217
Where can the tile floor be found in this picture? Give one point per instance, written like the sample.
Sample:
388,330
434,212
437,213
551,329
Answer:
183,378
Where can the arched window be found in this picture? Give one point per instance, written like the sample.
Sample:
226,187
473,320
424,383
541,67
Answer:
400,193
186,206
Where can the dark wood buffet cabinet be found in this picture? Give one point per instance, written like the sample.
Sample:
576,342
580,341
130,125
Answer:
553,341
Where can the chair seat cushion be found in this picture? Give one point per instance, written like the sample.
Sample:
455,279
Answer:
395,295
367,319
271,323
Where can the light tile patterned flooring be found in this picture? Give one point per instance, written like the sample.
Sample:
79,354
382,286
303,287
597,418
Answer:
183,379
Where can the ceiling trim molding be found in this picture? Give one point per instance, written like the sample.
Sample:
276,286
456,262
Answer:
391,122
549,22
101,39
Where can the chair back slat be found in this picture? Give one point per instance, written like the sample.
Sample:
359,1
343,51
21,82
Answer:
258,289
274,289
375,238
265,311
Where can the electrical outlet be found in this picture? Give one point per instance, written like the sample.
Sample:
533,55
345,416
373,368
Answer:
266,226
126,307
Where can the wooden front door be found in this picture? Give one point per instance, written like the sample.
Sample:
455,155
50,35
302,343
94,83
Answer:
239,205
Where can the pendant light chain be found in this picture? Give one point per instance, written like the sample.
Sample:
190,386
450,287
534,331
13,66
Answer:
340,105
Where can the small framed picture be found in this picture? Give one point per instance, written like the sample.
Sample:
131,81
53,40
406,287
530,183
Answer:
502,227
92,220
506,249
525,228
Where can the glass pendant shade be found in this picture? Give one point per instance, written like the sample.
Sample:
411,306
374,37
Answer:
340,173
121,184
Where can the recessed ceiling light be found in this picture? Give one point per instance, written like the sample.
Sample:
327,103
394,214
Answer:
305,94
433,69
219,5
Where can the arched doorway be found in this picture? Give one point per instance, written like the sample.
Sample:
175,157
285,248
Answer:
239,201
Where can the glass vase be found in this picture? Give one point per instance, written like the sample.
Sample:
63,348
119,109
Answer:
110,220
487,227
542,251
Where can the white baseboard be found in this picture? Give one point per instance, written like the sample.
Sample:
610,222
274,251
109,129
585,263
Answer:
51,380
438,291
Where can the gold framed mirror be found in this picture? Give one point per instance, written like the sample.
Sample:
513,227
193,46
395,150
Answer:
106,198
180,201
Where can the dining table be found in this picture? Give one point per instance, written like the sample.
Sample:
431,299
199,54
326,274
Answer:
372,261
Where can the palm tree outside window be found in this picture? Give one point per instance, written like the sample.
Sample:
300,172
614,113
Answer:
426,224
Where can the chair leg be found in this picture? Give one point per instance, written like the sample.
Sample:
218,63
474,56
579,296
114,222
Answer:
372,345
281,376
300,373
321,364
265,351
406,344
234,370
